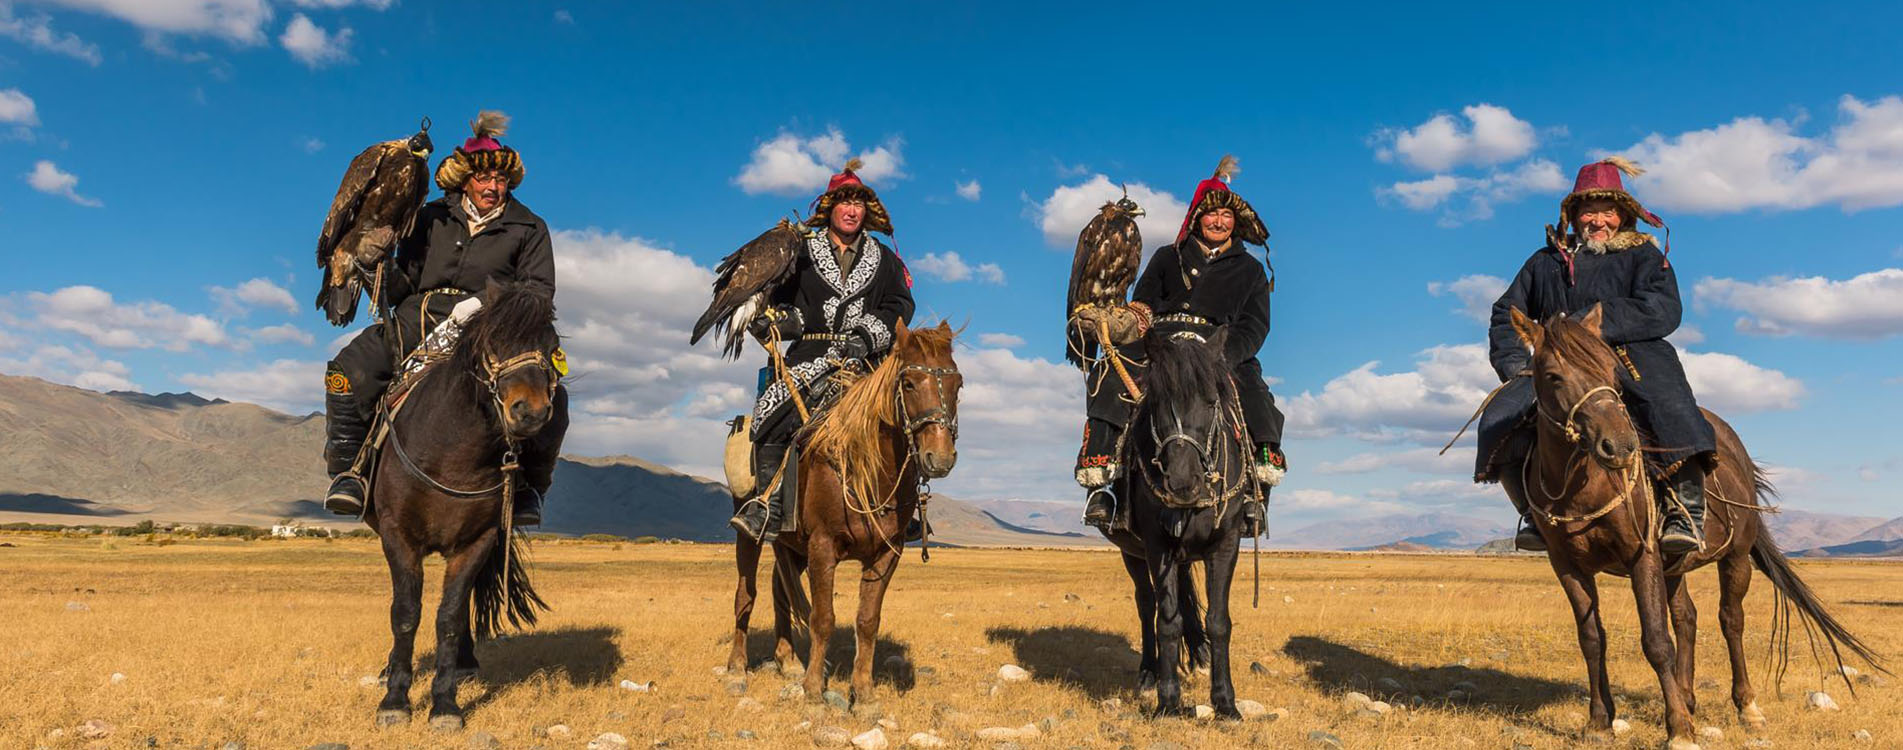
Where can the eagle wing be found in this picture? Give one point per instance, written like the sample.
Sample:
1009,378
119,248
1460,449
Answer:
358,178
1108,253
745,280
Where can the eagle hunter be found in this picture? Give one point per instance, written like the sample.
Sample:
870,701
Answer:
1108,252
375,206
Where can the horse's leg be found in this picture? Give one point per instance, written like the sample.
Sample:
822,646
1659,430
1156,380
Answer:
1146,617
746,554
1648,587
1583,593
822,563
452,615
1734,581
1685,631
1169,633
1222,571
1195,636
406,611
466,665
873,582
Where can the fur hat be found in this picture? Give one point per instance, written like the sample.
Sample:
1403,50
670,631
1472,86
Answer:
481,153
846,186
1214,193
1604,179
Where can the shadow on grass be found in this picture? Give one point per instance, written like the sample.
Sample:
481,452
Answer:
1339,668
583,657
899,675
1100,663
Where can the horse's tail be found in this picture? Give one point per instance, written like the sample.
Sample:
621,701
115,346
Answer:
1191,587
502,589
1793,595
786,580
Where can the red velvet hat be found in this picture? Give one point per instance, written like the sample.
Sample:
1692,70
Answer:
847,186
1214,193
1605,179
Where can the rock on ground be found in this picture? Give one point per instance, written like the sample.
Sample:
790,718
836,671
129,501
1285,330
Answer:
832,737
1251,709
608,741
94,729
1621,726
1821,701
1013,673
924,740
484,741
872,740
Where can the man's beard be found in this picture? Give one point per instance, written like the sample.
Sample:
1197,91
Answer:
1597,247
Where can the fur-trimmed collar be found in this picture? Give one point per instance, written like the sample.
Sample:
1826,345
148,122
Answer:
1624,240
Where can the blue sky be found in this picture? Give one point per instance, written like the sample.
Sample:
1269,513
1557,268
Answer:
165,164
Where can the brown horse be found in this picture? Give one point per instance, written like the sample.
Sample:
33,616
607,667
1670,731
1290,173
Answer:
1593,504
450,459
859,478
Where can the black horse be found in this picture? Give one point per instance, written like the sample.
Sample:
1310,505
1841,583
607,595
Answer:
454,451
1186,462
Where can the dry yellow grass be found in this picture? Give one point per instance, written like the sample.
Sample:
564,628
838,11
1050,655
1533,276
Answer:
266,642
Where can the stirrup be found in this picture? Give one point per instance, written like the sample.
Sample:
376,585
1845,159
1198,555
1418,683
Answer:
1527,537
742,523
1109,507
342,502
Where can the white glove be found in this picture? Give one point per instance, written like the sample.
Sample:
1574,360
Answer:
461,312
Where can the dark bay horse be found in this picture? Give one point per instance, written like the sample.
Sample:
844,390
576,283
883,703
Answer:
450,458
1593,502
859,477
1186,455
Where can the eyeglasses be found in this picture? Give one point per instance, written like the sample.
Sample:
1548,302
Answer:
489,178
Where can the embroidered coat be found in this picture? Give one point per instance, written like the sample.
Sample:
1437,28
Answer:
865,301
1638,291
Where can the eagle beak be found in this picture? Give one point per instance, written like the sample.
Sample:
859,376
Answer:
1139,212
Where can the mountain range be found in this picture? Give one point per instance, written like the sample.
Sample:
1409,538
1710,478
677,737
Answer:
77,456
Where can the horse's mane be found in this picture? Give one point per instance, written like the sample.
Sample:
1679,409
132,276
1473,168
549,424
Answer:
1183,368
1573,342
514,317
850,433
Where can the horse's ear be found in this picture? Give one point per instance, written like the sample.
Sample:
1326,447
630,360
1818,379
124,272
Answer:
1595,319
900,333
1530,332
945,326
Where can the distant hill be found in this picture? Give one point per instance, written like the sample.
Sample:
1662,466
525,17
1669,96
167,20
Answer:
1799,529
78,456
1429,530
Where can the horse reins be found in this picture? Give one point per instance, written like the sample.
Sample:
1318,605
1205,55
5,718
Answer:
938,415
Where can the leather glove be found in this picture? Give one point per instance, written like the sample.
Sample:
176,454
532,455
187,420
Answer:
1125,324
855,346
785,319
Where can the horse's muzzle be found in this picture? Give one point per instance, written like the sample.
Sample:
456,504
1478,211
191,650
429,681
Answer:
526,418
935,465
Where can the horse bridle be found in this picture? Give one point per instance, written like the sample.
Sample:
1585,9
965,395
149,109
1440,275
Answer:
1205,450
1570,427
939,415
494,372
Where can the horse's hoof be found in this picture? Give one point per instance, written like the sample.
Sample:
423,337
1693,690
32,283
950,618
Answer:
1170,712
1228,713
446,723
391,717
1751,716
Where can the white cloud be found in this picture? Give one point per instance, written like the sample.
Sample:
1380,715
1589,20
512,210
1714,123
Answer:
1686,335
1000,340
790,165
949,267
47,178
239,21
282,333
1020,423
1420,460
1476,292
312,144
1866,306
1424,405
1070,207
563,16
288,385
970,190
37,32
314,46
259,292
1480,194
1489,136
75,366
337,4
18,109
1727,384
1753,163
91,312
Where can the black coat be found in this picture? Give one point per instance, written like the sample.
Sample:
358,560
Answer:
1229,290
866,301
439,256
1638,292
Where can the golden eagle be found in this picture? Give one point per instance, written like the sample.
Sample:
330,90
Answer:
375,206
746,279
1108,252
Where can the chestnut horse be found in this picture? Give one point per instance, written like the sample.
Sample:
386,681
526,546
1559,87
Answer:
860,472
1586,484
449,462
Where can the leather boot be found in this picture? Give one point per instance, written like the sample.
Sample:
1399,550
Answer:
538,474
1255,517
755,516
1682,533
344,431
1526,535
1100,508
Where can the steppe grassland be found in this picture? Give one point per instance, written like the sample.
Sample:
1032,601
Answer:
269,642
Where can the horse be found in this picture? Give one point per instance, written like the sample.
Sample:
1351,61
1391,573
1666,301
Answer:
464,423
861,469
1593,504
1187,457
